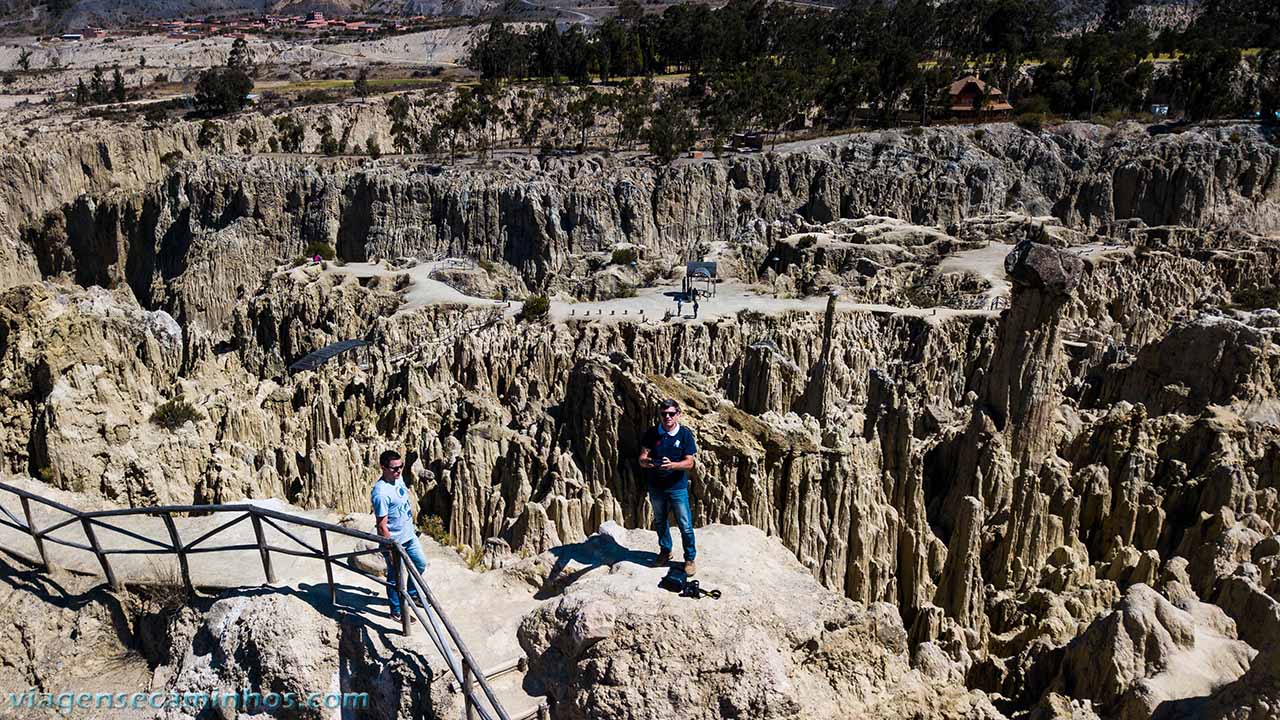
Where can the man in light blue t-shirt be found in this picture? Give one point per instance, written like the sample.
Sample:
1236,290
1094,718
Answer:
391,507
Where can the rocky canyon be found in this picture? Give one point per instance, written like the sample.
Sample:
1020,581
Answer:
988,419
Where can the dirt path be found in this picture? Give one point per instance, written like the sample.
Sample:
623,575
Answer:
650,305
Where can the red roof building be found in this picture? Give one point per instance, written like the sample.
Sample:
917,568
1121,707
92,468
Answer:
971,96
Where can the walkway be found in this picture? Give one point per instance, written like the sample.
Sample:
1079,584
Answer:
648,304
486,608
986,263
732,297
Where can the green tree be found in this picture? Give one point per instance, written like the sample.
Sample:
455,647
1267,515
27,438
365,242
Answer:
361,84
432,140
1117,13
329,144
535,307
671,130
491,115
1206,76
500,53
630,10
784,94
289,134
633,110
732,103
847,89
82,95
527,118
576,55
547,51
1097,72
24,59
617,50
1009,30
118,92
549,107
371,148
582,115
458,120
1269,84
403,135
241,57
209,135
222,90
98,91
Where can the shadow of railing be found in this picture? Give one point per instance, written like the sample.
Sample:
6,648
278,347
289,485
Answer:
443,634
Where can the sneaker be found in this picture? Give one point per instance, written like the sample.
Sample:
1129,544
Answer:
412,620
663,558
690,568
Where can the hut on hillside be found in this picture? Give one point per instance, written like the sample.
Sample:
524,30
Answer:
970,97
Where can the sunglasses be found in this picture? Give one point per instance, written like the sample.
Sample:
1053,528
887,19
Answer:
394,468
671,413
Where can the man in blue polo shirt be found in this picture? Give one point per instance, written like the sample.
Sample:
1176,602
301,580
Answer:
391,507
666,454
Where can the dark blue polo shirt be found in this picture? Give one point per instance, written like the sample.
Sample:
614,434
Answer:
674,447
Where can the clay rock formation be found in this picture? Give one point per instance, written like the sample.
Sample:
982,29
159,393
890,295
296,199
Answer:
1255,696
999,475
1044,267
266,644
82,368
775,645
1208,359
1148,652
166,230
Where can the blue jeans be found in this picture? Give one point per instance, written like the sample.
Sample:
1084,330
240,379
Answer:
677,501
413,549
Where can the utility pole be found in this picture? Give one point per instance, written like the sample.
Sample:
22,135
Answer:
1093,94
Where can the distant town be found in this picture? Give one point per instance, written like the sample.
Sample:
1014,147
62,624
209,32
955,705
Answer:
312,23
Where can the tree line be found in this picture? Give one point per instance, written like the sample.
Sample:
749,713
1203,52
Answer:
99,89
486,115
756,64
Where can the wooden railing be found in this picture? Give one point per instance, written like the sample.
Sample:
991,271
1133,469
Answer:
466,671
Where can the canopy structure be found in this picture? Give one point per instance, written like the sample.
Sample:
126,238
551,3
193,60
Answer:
315,359
700,272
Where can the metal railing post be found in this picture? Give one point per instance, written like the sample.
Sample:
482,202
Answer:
87,524
35,535
179,551
466,657
401,586
328,566
262,547
468,692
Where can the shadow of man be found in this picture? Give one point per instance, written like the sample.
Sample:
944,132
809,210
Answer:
599,550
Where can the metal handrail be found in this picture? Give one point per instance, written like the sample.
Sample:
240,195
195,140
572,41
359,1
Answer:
465,669
447,340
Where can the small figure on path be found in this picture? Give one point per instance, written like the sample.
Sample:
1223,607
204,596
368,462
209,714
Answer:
666,454
695,307
390,499
679,305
